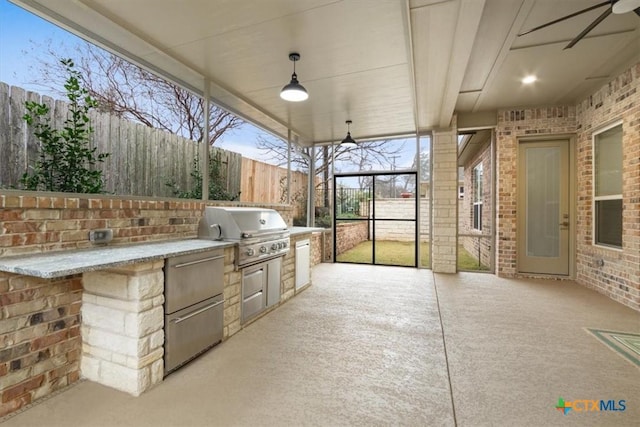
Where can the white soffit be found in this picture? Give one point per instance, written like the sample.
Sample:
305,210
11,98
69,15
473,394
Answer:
500,58
443,36
354,61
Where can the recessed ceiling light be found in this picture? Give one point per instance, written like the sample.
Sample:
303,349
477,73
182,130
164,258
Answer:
529,79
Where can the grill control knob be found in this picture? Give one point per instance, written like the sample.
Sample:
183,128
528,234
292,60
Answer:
263,249
274,246
250,252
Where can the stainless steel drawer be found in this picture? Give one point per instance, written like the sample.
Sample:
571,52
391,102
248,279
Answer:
192,278
253,305
191,331
253,280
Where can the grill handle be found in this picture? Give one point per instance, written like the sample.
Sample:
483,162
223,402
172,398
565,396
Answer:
252,233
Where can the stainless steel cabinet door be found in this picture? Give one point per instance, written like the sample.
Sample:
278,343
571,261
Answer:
191,331
192,278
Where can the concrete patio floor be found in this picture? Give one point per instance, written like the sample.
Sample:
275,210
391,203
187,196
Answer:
366,346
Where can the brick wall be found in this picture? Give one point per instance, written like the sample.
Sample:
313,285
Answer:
514,124
40,344
40,222
349,235
465,213
619,276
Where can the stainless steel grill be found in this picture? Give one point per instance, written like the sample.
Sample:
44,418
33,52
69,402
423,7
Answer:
260,234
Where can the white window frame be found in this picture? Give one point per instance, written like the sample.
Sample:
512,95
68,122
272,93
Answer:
593,189
477,197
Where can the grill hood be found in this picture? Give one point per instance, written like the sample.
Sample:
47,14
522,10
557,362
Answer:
239,223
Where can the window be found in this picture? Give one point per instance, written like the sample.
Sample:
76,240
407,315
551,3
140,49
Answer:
607,200
477,197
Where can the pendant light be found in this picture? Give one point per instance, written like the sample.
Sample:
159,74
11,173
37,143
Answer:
294,91
624,6
348,142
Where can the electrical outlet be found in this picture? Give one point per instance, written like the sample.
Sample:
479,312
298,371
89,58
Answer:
101,235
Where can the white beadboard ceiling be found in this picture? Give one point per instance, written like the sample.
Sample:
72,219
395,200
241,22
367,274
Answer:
393,67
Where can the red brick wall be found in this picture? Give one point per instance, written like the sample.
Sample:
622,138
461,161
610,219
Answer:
40,342
40,222
465,214
39,337
619,277
514,124
349,235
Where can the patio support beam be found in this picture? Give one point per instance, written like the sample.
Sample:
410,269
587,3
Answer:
311,191
204,148
288,166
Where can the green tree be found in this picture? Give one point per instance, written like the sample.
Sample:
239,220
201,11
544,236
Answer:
67,160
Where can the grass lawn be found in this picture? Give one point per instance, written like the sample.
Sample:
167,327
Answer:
392,252
387,252
466,261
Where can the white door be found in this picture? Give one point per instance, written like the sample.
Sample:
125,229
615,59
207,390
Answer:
543,207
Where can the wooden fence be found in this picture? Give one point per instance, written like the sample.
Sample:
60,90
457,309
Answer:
262,182
142,159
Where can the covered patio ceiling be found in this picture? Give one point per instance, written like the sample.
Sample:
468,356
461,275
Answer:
393,67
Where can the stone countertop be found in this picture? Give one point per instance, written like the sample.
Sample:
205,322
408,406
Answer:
58,264
294,231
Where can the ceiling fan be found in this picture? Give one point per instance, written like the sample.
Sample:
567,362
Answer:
613,6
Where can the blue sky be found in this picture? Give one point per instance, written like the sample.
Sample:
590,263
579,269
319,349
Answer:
20,31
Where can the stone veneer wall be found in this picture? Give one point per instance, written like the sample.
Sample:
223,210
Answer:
40,344
465,210
316,248
122,326
619,276
445,200
400,209
350,235
232,294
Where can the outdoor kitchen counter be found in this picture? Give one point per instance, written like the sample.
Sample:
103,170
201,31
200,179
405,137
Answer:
64,263
294,231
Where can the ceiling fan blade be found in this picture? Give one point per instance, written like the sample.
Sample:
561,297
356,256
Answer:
586,31
580,12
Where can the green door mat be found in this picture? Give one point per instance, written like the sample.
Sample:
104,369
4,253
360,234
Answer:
625,344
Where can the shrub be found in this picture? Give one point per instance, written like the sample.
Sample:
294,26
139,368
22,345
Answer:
66,162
